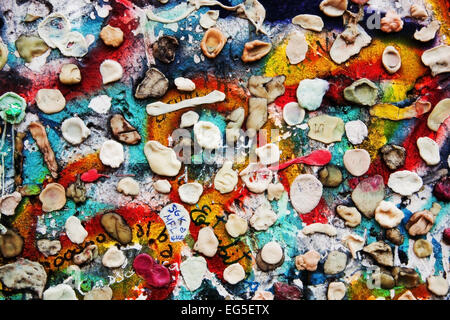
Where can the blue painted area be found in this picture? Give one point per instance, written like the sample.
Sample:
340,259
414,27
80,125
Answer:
437,252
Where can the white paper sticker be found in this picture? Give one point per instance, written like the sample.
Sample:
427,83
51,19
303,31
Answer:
177,220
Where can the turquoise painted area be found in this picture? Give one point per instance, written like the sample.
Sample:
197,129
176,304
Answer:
55,221
284,231
34,167
184,294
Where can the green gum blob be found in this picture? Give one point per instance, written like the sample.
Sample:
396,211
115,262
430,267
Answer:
30,47
12,107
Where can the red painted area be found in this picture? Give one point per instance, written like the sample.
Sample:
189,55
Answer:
237,196
377,167
290,95
319,214
25,223
335,94
69,174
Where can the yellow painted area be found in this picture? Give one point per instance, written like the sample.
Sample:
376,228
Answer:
441,13
376,138
318,64
391,112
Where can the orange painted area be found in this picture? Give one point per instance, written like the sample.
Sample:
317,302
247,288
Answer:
69,174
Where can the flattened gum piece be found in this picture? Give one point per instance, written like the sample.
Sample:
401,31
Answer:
213,42
154,85
111,71
307,261
234,273
422,248
207,242
75,230
3,54
113,257
275,191
420,223
263,218
333,8
305,193
429,150
388,215
162,160
428,32
296,48
190,192
437,285
52,197
391,59
336,291
236,226
405,182
226,178
357,161
255,50
309,22
391,22
30,47
70,74
162,186
326,129
164,48
116,227
111,36
128,186
437,59
362,91
257,116
381,252
407,295
272,253
11,244
351,215
50,101
368,194
112,154
440,112
38,133
341,51
317,227
335,263
193,271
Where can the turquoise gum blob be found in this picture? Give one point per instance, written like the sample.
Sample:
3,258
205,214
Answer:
12,107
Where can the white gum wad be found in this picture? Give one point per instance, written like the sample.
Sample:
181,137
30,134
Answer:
207,242
111,154
236,226
162,160
405,182
226,178
305,193
190,192
111,71
429,150
234,273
